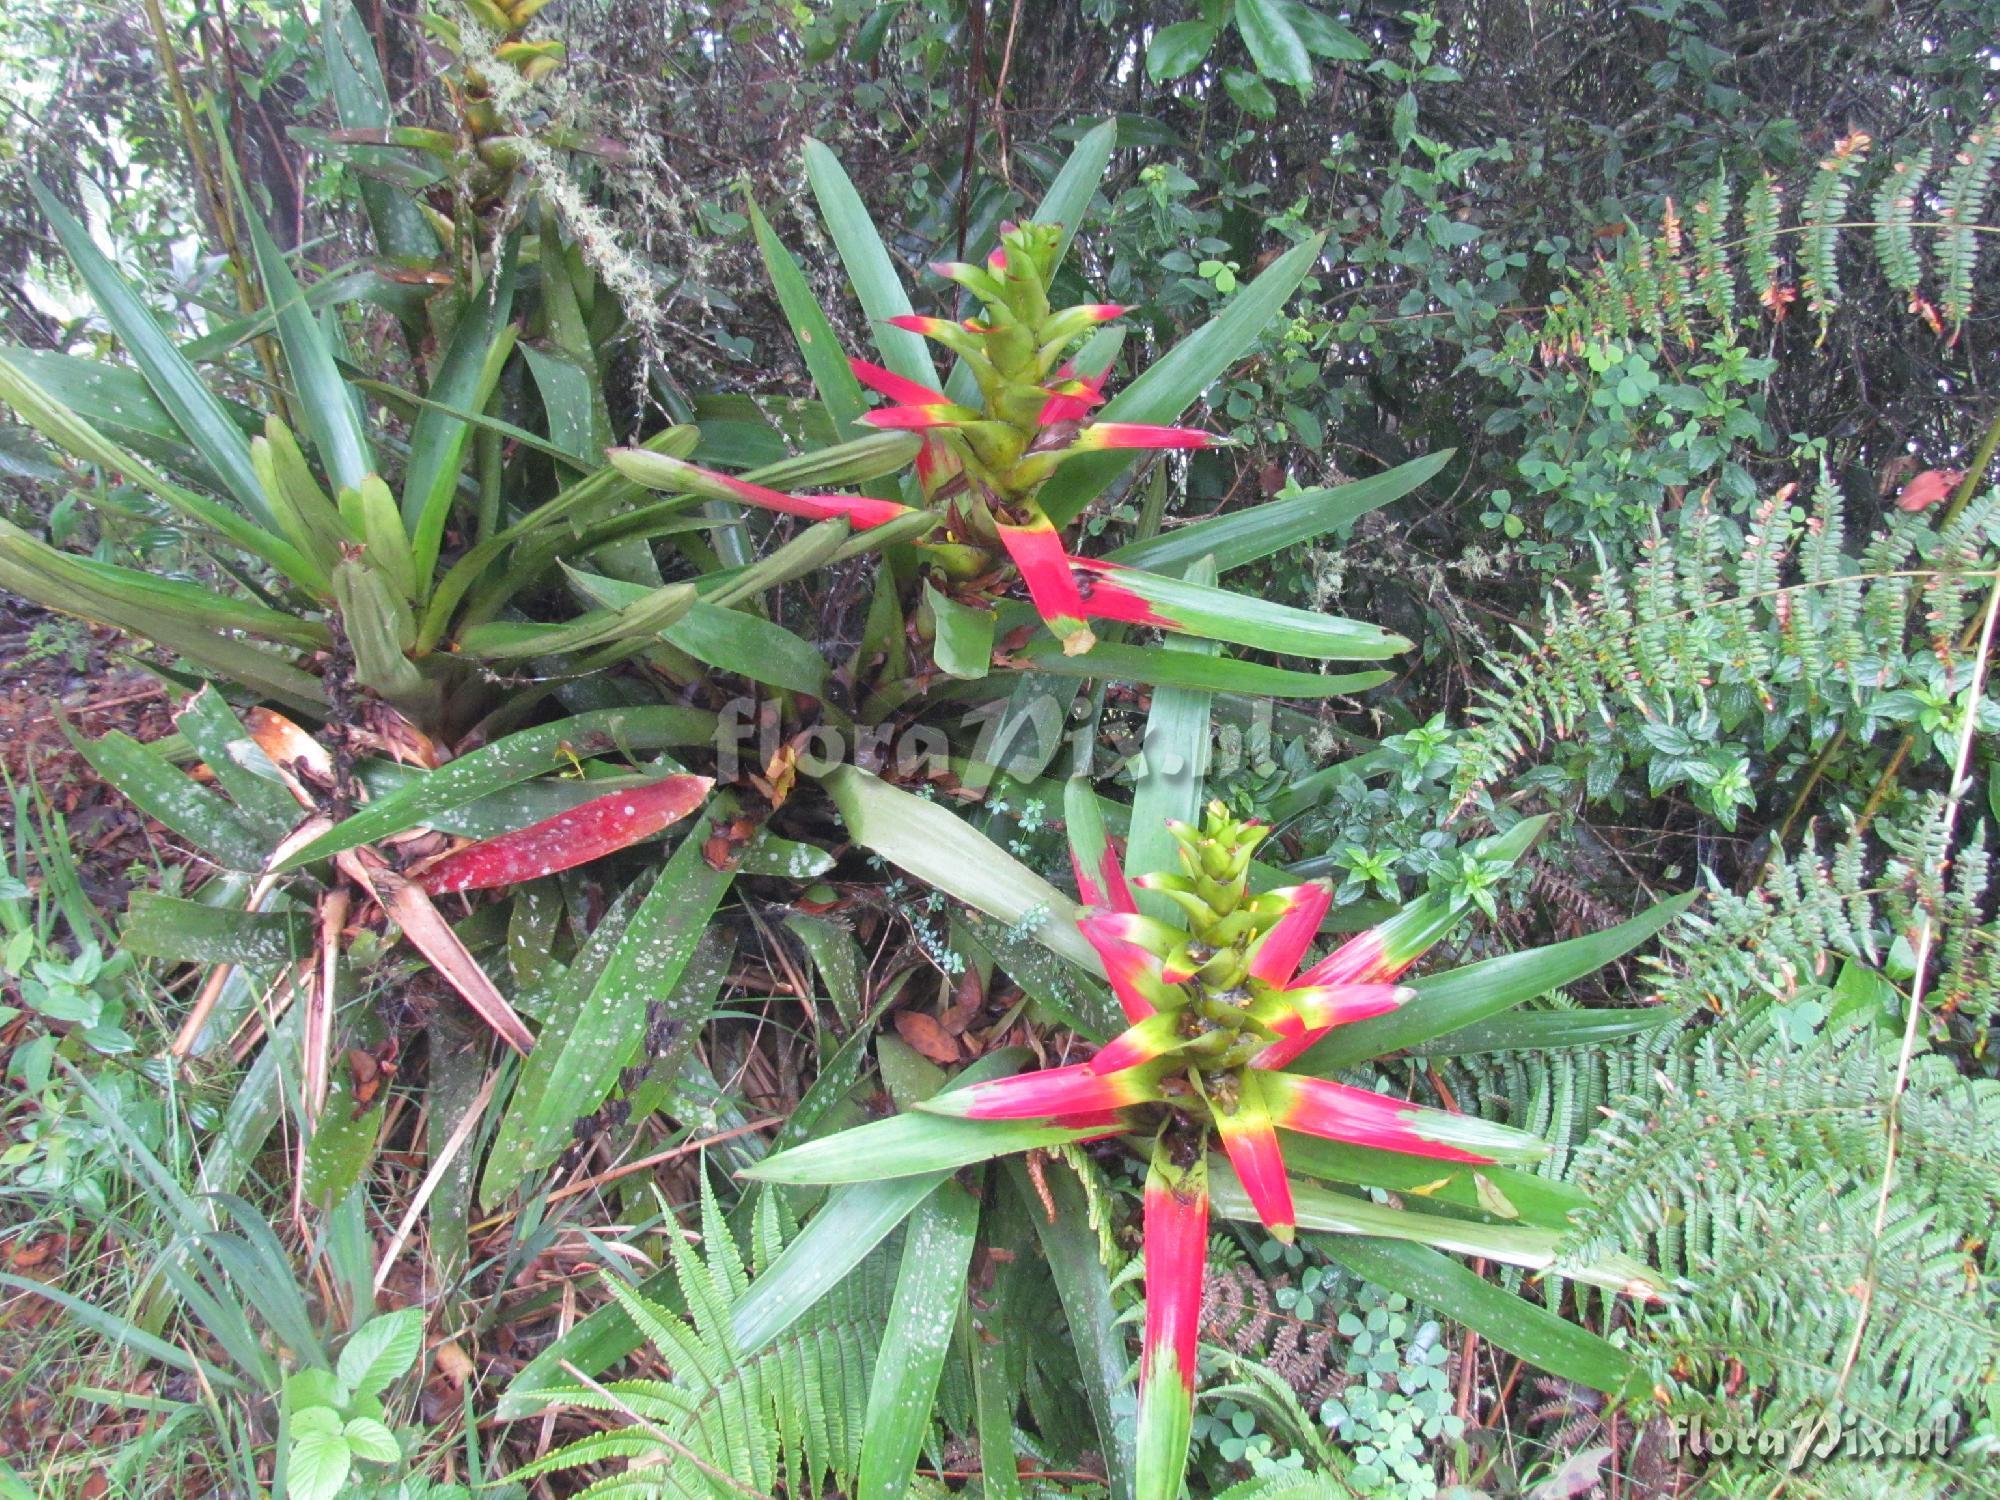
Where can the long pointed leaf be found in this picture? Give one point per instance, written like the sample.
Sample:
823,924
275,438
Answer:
941,849
1259,531
1165,666
325,402
846,1228
1173,383
909,1145
580,1072
937,1251
162,792
197,409
361,98
1174,777
438,440
1084,1289
1543,1338
1448,1002
67,430
868,265
818,344
1527,1246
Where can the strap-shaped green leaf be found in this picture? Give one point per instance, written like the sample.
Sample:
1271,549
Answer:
361,98
1447,1002
192,932
1173,383
465,378
163,793
1528,1246
218,736
1192,606
327,406
1543,1338
1260,531
818,344
727,639
1172,779
1084,1289
842,1234
568,1075
146,607
62,426
649,612
1167,666
868,266
930,1289
909,1145
200,413
1534,1199
116,400
940,848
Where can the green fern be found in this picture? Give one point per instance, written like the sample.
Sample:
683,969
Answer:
1894,208
1761,210
1965,191
1655,284
1740,1146
788,1415
1720,621
1820,214
1754,1167
1714,274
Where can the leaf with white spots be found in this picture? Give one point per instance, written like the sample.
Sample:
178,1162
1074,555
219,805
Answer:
937,1250
599,827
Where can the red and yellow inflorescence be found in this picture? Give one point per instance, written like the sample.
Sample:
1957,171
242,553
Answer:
1216,1013
981,468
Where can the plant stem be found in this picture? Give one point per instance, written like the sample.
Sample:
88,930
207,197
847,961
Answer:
209,180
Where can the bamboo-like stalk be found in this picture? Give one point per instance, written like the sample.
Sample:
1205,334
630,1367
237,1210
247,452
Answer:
209,179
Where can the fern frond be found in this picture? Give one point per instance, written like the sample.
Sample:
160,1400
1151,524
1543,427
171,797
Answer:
1894,208
1714,273
788,1417
1775,618
1656,284
1763,1157
1820,215
1761,210
1965,190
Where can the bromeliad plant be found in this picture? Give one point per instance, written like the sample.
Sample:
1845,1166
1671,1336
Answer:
1217,1011
419,586
419,594
982,470
1217,1016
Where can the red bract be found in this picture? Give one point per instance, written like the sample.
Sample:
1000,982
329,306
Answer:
1067,590
1176,1227
1075,396
586,832
662,471
1209,1006
1276,958
1047,1092
1100,436
1339,1112
1250,1139
896,387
